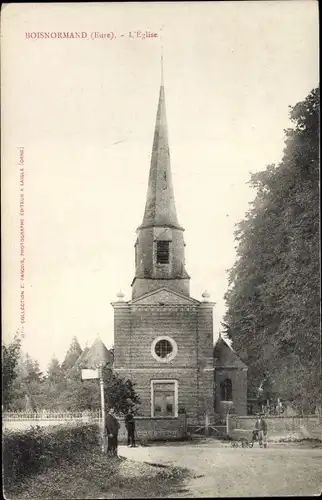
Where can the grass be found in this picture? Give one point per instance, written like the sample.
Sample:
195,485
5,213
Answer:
31,451
95,476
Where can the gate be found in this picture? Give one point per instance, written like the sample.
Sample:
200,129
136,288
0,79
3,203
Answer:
206,428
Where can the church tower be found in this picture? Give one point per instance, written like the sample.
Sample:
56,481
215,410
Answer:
159,249
163,338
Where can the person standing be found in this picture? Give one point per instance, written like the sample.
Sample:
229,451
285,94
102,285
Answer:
112,429
261,428
130,427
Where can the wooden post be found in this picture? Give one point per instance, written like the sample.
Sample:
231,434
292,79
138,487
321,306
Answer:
227,423
102,408
206,424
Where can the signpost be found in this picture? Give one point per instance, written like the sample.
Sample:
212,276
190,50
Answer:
103,408
88,374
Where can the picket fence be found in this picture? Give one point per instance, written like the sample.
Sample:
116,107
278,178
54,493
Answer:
44,415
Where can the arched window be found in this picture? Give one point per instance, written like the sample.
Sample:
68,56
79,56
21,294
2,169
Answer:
226,390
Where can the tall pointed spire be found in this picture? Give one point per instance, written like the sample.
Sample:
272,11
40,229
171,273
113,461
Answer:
160,247
160,207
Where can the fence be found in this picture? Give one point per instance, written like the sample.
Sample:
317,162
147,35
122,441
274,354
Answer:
52,415
146,427
205,426
306,427
21,419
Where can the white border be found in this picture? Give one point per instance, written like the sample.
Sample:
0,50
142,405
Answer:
176,392
170,356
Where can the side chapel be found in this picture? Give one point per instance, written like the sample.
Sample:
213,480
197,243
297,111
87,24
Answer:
163,337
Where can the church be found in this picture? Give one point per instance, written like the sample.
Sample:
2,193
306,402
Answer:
163,337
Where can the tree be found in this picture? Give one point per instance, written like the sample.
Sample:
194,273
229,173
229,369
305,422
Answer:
273,300
10,358
53,385
81,395
58,390
30,370
54,371
72,355
120,393
27,388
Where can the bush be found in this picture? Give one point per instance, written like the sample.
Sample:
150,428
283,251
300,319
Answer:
30,451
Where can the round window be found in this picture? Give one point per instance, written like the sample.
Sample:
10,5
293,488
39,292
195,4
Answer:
163,349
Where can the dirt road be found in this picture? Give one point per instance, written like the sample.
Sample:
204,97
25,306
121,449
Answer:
221,471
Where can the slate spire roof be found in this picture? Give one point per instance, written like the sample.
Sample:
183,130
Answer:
98,354
160,207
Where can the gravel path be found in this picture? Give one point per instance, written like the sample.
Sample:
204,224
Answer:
221,471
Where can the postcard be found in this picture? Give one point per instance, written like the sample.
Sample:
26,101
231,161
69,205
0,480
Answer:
160,241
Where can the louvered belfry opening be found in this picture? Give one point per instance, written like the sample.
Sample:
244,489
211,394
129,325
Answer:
163,250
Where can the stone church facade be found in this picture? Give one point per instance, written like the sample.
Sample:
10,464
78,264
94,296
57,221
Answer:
163,338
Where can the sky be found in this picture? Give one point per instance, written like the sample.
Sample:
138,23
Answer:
83,111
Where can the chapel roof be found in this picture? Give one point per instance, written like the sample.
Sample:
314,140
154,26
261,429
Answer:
225,356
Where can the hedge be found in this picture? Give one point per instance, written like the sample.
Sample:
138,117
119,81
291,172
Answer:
32,450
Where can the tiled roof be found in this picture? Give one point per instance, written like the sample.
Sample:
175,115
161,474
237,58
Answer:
79,361
97,355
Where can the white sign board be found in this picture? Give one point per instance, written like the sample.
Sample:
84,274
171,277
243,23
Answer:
89,374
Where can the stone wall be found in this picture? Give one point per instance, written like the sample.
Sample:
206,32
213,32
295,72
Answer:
156,428
307,427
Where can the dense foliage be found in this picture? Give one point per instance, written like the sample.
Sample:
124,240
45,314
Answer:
72,355
30,451
83,472
10,359
273,301
73,394
27,384
62,389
